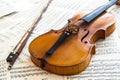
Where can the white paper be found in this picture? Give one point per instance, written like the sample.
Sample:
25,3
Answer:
5,9
104,64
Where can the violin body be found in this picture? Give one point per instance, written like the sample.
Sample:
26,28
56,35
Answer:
74,54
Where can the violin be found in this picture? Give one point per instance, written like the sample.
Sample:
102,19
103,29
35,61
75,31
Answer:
69,50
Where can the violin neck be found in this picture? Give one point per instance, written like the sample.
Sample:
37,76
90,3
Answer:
92,15
87,18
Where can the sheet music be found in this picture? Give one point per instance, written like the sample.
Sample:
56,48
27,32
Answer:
5,9
104,64
116,11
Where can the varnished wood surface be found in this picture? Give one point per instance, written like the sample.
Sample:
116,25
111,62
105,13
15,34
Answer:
74,54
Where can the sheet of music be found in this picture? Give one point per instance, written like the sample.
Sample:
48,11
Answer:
6,9
104,64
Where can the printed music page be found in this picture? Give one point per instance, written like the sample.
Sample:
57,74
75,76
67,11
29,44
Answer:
116,11
104,63
5,9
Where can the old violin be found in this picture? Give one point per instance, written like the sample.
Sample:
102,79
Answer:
69,50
